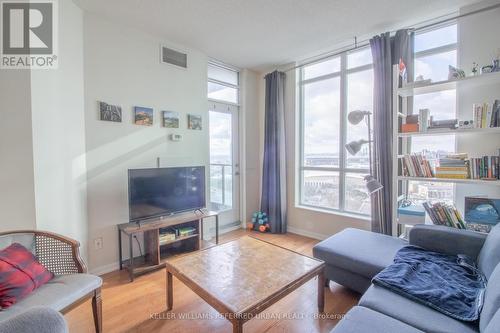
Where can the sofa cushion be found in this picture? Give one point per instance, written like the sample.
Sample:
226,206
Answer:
489,257
20,274
58,293
494,324
35,320
415,314
359,251
491,299
360,319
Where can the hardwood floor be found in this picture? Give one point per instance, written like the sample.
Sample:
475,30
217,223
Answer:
140,306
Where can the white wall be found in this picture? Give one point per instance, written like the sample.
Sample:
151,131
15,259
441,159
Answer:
250,132
59,134
479,41
17,199
122,67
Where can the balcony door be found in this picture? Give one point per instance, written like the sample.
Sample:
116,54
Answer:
224,159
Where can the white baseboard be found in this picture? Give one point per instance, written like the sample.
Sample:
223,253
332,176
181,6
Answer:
306,233
105,269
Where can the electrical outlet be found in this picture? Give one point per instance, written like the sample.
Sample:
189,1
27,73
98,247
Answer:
98,243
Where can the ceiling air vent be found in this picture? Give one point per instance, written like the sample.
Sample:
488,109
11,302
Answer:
173,57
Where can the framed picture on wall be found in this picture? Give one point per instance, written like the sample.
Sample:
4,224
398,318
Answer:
170,119
108,112
194,122
143,116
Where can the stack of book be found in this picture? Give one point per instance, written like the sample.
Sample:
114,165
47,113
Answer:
186,231
454,166
444,214
167,237
486,115
486,167
415,165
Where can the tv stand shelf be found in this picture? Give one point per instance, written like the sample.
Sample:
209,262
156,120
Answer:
157,252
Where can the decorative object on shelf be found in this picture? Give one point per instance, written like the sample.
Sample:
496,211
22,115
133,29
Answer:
419,81
411,124
194,122
353,147
446,123
496,65
463,124
402,69
455,73
260,222
143,116
486,69
110,112
170,119
411,214
423,119
444,214
481,213
475,68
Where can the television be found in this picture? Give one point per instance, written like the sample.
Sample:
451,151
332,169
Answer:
160,192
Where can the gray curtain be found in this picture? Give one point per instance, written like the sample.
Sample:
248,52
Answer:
386,52
273,199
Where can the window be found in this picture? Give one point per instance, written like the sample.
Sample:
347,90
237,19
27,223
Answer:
222,84
223,91
434,50
331,178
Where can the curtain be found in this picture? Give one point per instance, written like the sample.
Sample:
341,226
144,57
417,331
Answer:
273,199
386,52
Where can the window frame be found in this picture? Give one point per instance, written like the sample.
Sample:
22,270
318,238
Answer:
341,169
225,84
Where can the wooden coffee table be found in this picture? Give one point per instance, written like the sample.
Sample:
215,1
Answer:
244,277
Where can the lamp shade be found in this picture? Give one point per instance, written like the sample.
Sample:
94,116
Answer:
354,147
372,185
356,116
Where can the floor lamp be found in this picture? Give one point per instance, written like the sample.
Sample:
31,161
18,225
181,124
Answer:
353,147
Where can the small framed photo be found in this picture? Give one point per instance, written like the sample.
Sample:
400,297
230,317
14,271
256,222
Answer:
143,116
170,119
194,122
110,112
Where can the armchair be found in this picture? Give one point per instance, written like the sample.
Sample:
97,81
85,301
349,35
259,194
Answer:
71,284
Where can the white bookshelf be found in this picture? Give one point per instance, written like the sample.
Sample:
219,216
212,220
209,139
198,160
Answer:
444,131
452,180
402,141
467,82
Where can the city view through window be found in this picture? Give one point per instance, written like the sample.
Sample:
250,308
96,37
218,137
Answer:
331,178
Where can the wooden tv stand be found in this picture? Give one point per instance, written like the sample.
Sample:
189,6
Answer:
156,252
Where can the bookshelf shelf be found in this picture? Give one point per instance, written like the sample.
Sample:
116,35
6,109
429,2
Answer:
178,239
467,82
451,180
443,131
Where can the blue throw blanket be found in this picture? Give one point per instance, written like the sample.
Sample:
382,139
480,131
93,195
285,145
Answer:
449,284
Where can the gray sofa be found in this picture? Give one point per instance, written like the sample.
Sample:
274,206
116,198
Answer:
35,320
353,257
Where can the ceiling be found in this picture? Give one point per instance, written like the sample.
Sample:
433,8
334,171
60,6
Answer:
260,34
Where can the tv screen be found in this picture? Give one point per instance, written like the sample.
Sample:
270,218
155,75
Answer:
165,191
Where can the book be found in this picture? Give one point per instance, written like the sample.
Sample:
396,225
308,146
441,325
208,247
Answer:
444,214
